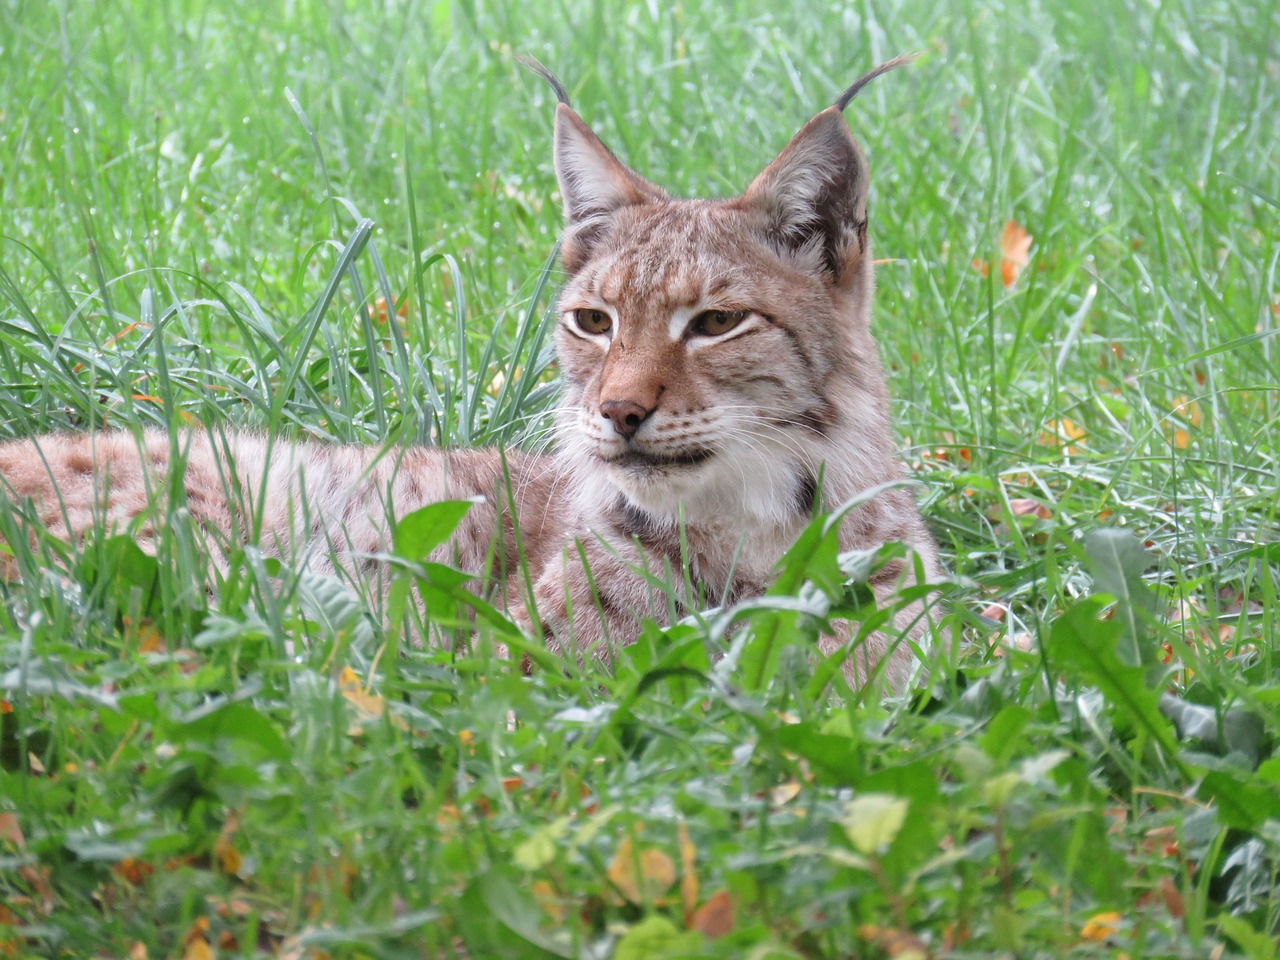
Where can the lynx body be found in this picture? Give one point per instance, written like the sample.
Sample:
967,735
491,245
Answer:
719,379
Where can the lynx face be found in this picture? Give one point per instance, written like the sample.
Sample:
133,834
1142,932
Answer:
716,354
687,346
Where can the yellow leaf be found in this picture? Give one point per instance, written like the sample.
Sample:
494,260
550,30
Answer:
641,877
1062,434
195,942
872,821
1188,410
898,944
784,792
1100,926
544,896
133,871
224,851
369,706
149,639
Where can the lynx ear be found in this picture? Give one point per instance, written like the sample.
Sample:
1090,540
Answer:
593,182
815,196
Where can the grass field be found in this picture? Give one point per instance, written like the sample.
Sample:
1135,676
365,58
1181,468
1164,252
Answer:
338,220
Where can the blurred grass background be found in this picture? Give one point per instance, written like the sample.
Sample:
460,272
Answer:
336,220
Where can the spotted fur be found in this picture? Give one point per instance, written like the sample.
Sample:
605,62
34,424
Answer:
720,379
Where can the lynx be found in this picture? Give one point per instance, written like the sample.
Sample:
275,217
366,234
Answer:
720,385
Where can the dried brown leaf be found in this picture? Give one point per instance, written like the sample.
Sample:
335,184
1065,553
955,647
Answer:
715,917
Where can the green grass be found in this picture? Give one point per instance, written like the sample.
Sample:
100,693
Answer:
199,204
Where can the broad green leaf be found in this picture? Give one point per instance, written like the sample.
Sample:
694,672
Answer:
499,920
1234,731
418,533
1086,644
999,789
1117,562
654,938
540,849
1256,946
836,759
1003,734
237,721
872,820
1242,803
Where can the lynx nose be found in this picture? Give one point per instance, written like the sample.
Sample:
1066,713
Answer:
627,415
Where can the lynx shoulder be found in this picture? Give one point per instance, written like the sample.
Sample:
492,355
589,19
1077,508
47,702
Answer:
721,384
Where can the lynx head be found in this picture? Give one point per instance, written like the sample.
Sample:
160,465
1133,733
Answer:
716,354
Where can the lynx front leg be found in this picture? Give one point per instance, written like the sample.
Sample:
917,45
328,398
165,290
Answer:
595,596
889,653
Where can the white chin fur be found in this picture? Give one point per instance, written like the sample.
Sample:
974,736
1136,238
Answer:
744,484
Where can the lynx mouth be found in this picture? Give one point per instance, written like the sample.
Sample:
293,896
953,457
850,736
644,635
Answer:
639,458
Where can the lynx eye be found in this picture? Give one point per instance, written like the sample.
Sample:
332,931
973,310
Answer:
592,322
716,323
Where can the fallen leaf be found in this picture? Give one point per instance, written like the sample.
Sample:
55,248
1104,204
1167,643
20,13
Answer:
1100,926
10,832
784,792
641,877
1015,245
147,635
1188,410
379,313
224,851
995,611
544,895
370,706
1025,507
1019,641
898,944
196,941
231,907
1063,435
115,338
1173,901
715,917
133,871
37,876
